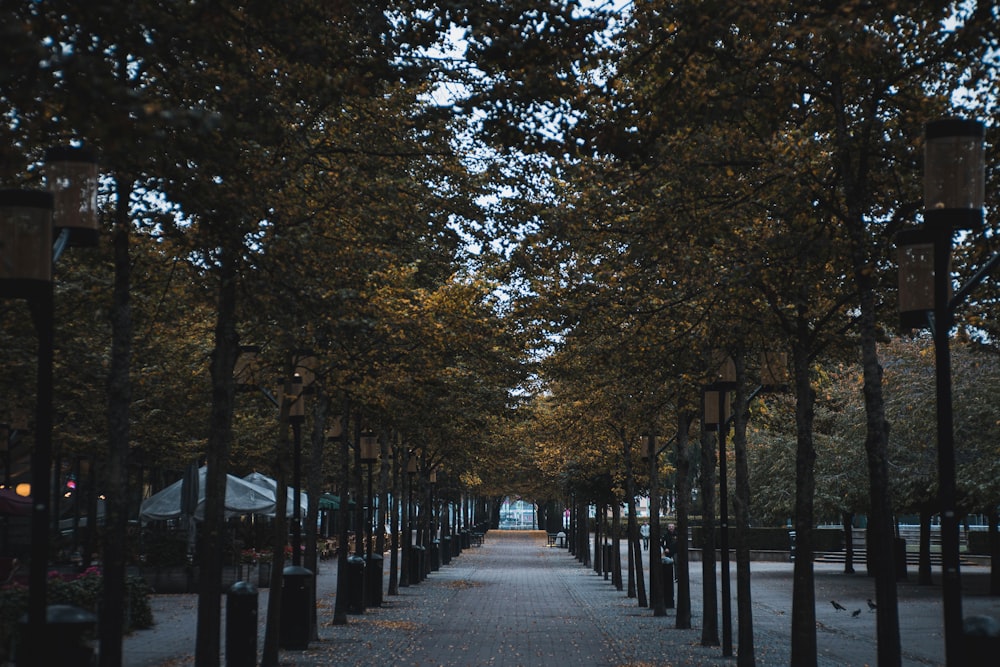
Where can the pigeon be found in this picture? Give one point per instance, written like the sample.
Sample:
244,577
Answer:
871,606
838,606
854,614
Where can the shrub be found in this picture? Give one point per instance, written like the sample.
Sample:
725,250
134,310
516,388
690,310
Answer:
80,590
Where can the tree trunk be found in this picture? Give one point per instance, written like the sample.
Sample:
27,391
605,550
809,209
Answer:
924,577
636,585
111,628
357,483
598,534
208,641
616,550
656,601
880,545
803,592
710,620
343,517
880,526
394,523
682,460
272,628
387,509
847,521
405,520
741,502
314,488
994,545
640,583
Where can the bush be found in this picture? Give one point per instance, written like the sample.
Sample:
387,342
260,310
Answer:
82,590
164,548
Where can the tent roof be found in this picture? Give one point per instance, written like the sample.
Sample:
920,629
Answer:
328,501
242,497
268,483
12,504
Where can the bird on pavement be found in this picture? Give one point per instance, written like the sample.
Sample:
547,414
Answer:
854,614
838,606
871,606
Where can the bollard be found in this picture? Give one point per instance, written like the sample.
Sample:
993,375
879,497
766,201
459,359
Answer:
241,625
413,565
435,555
446,550
422,559
373,580
355,584
667,573
64,645
296,588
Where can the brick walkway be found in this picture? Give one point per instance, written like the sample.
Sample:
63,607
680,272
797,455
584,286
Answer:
516,603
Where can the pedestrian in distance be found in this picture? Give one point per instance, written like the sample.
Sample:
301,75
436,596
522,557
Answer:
669,542
644,532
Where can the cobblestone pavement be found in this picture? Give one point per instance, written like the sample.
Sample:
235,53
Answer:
516,603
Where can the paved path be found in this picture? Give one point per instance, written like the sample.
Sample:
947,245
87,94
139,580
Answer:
516,603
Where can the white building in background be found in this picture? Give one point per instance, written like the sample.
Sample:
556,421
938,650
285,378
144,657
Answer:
642,507
517,514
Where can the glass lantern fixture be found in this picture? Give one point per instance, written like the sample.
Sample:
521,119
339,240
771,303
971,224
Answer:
25,242
954,174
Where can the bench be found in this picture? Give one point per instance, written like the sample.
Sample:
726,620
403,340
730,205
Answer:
550,539
476,539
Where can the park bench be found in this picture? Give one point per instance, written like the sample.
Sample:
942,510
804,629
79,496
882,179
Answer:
550,539
476,539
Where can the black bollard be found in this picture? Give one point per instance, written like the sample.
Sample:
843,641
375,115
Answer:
241,625
356,585
435,555
667,572
446,550
64,645
373,580
296,590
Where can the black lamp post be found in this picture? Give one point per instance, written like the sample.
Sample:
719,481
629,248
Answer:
716,410
296,416
246,373
412,557
954,188
28,219
369,455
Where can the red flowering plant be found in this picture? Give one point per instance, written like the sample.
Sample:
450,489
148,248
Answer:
252,556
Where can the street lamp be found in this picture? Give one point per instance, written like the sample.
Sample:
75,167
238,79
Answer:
369,452
412,557
369,455
954,189
71,173
296,416
28,219
716,410
246,372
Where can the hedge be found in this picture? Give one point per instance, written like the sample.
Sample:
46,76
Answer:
83,590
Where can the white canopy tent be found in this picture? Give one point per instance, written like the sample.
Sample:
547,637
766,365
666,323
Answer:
266,482
242,497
